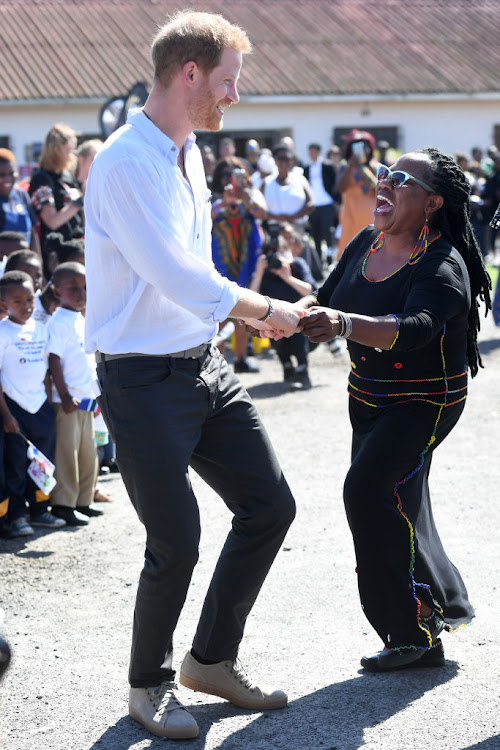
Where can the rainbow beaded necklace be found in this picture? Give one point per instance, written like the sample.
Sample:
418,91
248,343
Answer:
418,251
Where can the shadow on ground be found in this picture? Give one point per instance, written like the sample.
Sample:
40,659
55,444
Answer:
489,345
493,743
333,718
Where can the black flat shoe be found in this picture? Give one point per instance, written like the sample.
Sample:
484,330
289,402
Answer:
387,660
433,657
72,517
244,365
89,511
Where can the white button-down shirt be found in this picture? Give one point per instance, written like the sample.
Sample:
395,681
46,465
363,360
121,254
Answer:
320,196
152,287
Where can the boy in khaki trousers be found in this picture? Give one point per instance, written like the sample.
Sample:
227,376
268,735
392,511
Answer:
72,372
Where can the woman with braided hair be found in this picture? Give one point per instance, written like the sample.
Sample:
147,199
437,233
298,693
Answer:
406,296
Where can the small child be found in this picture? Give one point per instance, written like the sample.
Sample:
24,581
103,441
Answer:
72,373
30,263
24,406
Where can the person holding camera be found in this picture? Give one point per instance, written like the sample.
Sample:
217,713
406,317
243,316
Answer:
356,181
280,275
54,190
236,236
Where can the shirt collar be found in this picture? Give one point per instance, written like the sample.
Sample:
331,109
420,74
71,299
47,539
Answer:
155,136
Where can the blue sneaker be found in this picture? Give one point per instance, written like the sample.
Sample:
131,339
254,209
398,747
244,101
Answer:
20,527
47,521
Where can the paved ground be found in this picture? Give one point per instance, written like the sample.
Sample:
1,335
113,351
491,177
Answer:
69,596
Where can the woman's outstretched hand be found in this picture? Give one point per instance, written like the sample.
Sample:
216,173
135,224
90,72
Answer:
320,324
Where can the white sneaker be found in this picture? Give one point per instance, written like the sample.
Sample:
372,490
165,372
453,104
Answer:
228,680
158,709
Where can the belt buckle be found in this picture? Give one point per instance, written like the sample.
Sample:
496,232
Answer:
196,352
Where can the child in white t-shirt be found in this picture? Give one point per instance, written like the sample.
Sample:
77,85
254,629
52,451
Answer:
24,406
72,372
31,263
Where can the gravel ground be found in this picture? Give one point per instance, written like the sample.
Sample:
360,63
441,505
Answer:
69,597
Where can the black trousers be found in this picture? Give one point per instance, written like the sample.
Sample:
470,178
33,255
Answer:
321,223
400,558
296,346
165,414
40,428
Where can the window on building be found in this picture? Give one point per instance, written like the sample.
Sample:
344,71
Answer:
387,133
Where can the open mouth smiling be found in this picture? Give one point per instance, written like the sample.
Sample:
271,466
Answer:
384,204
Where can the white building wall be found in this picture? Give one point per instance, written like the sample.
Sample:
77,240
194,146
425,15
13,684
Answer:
455,125
449,124
29,123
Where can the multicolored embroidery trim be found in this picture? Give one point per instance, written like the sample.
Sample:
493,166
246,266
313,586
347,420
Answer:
397,332
446,391
424,391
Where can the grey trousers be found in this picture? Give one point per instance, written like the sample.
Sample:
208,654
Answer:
165,414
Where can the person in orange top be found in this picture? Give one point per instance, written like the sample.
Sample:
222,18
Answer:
356,180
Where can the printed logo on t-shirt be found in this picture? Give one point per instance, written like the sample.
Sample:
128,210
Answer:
30,351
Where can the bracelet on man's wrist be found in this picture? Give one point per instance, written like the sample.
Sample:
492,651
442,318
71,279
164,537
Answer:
270,310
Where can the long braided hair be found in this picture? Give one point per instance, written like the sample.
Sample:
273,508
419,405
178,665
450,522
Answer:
453,220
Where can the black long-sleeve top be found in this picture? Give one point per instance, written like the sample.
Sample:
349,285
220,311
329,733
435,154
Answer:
431,301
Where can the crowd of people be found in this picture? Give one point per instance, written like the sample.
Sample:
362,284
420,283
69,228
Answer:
46,398
318,205
279,225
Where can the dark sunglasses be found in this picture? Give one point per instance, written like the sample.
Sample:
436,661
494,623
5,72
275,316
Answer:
398,178
226,174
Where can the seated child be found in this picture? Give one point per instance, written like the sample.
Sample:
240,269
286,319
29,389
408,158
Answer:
72,372
24,406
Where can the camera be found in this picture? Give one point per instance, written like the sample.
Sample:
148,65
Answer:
273,229
359,150
238,179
